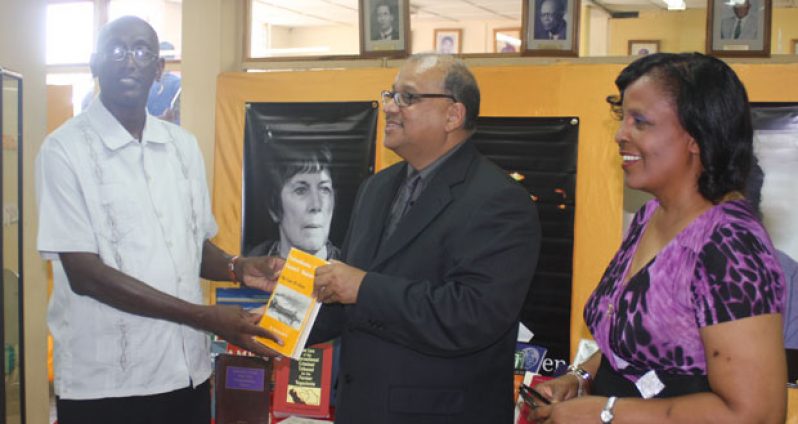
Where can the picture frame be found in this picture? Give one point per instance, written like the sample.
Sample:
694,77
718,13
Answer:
550,28
384,28
448,40
643,47
507,40
794,44
740,29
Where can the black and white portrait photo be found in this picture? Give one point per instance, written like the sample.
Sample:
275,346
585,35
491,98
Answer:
384,27
303,163
550,20
551,28
384,20
300,200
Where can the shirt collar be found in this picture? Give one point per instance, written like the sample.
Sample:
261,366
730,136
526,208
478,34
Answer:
430,169
114,135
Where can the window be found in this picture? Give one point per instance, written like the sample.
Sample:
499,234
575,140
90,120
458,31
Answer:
70,32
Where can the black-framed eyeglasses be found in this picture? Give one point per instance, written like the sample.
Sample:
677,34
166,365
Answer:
142,55
406,99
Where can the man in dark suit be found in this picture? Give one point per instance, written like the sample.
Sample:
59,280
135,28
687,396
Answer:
384,25
438,260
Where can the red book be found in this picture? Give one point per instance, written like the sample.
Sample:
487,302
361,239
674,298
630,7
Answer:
302,387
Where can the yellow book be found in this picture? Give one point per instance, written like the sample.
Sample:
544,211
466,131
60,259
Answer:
292,307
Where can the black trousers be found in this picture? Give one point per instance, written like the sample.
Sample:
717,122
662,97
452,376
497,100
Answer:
184,406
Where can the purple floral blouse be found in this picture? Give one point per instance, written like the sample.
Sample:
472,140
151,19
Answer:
721,267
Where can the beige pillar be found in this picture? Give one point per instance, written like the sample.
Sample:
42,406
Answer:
22,49
212,43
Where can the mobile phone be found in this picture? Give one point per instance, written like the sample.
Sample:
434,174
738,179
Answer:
532,396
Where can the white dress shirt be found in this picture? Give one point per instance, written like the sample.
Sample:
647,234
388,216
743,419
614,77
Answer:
144,208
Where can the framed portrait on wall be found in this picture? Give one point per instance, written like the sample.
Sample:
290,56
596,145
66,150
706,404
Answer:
384,28
739,28
643,47
550,28
506,40
448,40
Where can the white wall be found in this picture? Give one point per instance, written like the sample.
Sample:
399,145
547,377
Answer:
341,40
477,35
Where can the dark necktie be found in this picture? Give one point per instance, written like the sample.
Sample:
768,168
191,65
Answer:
737,29
407,196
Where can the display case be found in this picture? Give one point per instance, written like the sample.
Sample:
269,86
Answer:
12,410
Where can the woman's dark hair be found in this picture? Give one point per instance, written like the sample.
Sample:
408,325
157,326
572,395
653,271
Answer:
287,161
712,106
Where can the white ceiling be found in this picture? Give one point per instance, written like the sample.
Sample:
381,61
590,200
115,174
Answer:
294,13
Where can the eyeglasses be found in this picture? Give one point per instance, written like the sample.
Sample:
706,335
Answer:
142,55
407,99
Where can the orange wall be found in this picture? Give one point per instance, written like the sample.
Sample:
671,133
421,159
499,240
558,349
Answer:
558,89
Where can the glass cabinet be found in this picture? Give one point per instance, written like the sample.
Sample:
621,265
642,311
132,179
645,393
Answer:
11,335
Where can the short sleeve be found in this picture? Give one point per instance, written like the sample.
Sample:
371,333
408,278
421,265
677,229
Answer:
207,223
736,276
64,222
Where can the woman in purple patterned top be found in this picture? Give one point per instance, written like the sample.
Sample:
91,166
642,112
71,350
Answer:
688,313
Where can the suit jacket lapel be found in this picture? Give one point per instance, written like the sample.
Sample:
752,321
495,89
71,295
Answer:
432,201
376,216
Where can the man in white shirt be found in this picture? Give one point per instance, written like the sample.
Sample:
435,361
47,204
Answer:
742,26
124,214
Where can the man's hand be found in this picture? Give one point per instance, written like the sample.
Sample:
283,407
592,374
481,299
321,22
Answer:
238,327
338,282
260,272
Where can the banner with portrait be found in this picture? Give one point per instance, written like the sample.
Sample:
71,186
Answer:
303,163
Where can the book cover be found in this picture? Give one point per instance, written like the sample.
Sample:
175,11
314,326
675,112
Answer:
241,389
528,359
303,387
292,308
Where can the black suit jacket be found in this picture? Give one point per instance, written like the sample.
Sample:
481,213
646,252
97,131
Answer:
432,336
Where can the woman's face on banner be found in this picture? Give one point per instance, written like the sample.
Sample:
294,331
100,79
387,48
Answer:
308,201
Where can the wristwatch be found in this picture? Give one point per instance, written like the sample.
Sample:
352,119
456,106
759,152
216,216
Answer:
582,377
606,413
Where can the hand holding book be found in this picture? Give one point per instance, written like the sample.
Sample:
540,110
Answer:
260,272
239,327
338,283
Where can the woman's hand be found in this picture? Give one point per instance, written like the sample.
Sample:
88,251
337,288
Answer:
559,389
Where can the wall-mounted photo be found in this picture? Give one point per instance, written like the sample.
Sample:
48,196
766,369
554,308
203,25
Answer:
643,47
739,28
449,40
384,28
794,44
551,28
506,40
